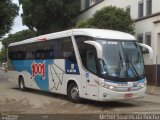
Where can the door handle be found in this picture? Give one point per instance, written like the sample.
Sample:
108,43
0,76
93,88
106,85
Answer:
88,80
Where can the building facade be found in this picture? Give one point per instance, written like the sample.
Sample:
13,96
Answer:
146,14
85,4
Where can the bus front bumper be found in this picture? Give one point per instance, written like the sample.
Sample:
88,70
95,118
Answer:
109,95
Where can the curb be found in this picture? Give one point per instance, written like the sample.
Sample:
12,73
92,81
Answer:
153,90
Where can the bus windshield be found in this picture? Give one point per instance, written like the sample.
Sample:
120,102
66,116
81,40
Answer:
121,60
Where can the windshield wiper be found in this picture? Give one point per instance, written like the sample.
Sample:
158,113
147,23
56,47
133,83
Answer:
103,67
132,67
121,61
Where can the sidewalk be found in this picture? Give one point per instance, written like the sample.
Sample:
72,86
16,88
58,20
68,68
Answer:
153,90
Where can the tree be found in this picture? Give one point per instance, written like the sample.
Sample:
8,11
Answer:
109,18
3,55
48,16
8,12
85,24
19,36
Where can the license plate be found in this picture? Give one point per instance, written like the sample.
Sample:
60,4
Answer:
128,95
122,85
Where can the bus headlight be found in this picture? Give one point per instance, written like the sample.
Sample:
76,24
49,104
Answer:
142,85
111,87
104,85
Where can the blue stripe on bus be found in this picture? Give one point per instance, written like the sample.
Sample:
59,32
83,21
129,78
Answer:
26,65
42,82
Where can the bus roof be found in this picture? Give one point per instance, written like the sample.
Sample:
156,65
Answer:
98,33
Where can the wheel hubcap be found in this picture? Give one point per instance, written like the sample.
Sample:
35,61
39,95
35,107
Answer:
75,93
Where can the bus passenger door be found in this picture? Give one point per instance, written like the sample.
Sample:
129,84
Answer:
90,77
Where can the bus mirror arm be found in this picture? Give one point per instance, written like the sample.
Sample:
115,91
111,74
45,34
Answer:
97,46
149,48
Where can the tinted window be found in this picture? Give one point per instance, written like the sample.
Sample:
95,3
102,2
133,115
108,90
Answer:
51,49
91,59
30,48
17,53
44,50
68,50
87,53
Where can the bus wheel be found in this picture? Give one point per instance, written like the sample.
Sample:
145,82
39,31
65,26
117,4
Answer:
21,84
73,93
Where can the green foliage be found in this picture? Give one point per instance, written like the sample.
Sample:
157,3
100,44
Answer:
8,12
85,24
3,55
19,36
109,18
49,15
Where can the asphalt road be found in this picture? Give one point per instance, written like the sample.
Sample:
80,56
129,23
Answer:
12,100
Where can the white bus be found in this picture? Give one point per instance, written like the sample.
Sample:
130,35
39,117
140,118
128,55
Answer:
96,64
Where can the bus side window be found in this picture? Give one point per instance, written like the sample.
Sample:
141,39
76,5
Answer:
50,54
68,50
91,60
87,53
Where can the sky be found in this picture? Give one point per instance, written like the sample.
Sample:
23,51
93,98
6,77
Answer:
17,26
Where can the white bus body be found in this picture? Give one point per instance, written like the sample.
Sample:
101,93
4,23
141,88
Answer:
96,64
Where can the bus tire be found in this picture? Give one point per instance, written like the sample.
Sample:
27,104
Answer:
21,84
73,93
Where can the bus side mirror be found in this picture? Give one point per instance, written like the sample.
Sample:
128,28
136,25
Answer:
149,48
97,46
